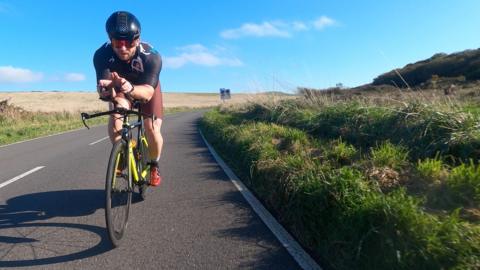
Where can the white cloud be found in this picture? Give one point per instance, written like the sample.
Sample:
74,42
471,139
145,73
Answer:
198,54
266,29
323,22
74,77
276,28
299,26
9,74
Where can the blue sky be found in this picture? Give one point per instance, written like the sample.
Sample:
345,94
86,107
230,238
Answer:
247,46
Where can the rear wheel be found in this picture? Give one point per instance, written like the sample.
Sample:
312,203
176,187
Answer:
118,190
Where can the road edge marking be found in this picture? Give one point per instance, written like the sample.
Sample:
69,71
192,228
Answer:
292,246
68,131
51,135
95,142
16,178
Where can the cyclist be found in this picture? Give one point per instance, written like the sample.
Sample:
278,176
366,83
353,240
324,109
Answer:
128,69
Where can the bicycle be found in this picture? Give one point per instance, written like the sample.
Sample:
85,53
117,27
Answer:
127,167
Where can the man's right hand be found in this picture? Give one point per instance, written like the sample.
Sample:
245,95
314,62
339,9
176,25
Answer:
105,90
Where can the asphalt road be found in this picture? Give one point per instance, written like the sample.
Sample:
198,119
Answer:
53,218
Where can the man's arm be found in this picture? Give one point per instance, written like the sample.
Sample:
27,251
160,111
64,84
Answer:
146,85
104,78
100,63
142,92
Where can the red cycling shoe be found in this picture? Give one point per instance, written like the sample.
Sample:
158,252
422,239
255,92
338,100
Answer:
155,178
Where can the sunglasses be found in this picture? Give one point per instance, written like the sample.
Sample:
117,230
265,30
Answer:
119,43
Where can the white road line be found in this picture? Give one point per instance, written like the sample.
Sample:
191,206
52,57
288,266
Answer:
102,139
46,136
297,252
21,176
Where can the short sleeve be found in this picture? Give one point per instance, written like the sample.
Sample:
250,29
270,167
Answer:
100,62
153,66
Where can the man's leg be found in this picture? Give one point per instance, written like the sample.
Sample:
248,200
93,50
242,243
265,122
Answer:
115,126
116,121
154,137
155,144
153,133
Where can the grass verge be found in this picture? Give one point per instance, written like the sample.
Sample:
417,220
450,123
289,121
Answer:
19,125
352,204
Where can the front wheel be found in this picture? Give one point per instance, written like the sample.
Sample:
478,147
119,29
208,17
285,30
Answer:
118,191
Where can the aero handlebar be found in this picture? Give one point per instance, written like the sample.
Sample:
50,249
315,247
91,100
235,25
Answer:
121,111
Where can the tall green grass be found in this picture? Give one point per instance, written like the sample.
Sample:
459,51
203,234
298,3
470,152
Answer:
425,130
387,154
464,182
432,169
312,168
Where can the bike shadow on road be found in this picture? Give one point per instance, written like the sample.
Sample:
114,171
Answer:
34,228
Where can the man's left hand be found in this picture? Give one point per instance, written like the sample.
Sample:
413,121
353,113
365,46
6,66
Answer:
121,84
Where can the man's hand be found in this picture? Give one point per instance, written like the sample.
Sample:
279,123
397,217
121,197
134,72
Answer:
105,90
114,89
121,84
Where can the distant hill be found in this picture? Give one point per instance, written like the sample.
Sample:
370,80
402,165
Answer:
463,66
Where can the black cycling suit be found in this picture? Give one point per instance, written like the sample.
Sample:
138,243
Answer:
144,68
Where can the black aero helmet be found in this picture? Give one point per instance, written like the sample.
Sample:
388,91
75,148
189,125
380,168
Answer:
123,25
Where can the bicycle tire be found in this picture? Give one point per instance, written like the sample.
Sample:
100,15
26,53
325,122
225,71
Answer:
117,198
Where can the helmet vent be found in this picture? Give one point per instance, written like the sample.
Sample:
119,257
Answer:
122,23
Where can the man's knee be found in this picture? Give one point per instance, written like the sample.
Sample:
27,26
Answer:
153,127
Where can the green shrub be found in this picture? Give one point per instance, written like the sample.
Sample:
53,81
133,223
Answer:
388,155
432,169
464,182
398,235
342,152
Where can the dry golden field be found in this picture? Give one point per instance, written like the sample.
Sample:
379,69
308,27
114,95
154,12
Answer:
88,101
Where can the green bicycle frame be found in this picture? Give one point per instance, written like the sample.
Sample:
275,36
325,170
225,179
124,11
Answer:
133,162
131,157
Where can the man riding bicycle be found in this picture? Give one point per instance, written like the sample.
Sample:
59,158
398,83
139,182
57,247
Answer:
129,70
